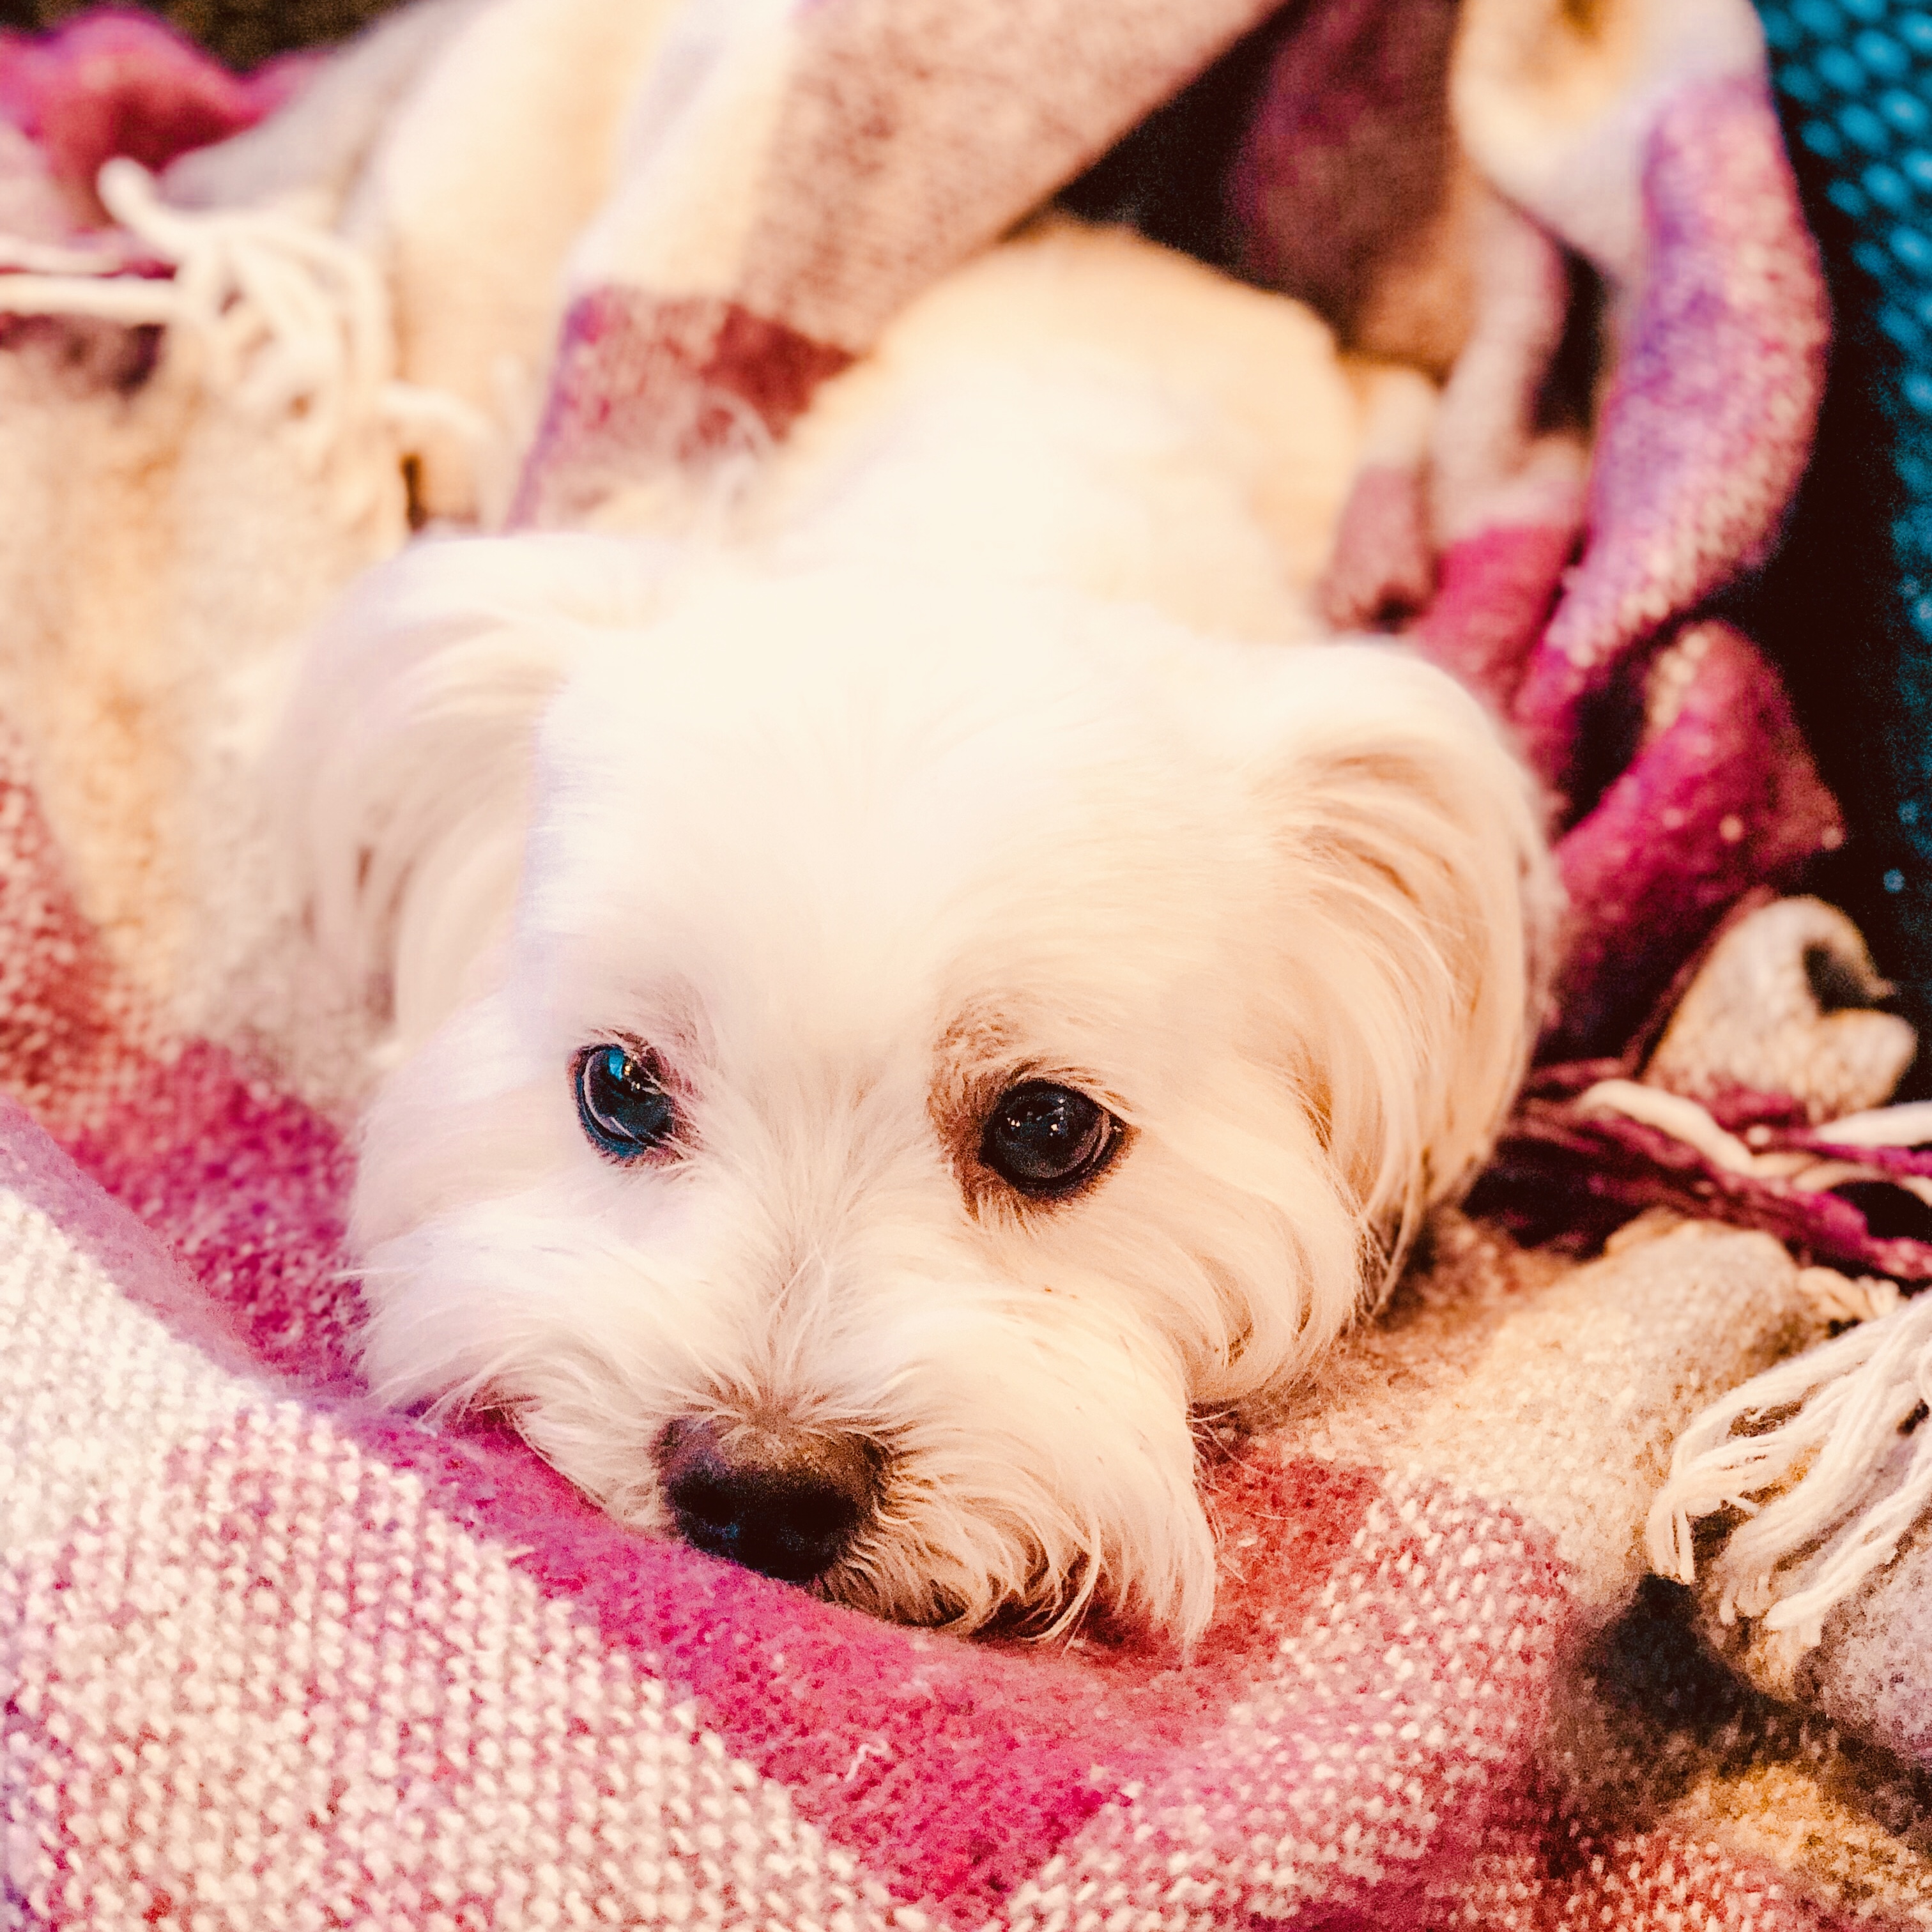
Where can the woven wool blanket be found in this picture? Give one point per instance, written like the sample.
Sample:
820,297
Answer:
272,1658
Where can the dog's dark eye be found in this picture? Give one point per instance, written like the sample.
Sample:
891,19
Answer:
622,1103
1045,1140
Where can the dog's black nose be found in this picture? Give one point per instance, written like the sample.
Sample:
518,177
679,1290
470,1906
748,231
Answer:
786,1505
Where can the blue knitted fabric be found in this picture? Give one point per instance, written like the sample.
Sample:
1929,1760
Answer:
1847,606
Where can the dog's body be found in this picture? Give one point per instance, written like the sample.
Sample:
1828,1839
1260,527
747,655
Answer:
900,1012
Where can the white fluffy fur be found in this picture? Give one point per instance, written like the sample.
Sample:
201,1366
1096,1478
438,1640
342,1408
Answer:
893,800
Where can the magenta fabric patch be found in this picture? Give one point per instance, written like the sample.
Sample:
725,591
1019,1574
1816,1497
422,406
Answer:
116,82
641,380
1492,602
1724,796
1708,421
249,1189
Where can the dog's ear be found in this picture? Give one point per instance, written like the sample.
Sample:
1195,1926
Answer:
403,761
1414,911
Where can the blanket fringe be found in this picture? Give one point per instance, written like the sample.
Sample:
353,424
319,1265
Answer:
292,322
1854,1470
1802,1167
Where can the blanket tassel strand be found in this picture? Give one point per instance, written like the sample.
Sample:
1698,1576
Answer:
1850,1469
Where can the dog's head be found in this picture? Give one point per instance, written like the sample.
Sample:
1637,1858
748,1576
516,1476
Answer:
878,1059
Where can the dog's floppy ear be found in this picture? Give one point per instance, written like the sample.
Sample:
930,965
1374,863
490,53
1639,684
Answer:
404,757
1413,920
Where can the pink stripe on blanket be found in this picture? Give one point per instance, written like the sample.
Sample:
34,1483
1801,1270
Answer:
114,83
643,383
1368,1764
249,1188
955,1771
214,1203
125,1248
245,1184
1708,423
73,1042
1570,1173
1492,602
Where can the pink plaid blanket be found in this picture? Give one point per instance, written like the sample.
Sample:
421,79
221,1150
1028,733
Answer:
270,1658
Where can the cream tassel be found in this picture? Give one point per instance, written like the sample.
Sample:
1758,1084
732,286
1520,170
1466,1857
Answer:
291,321
1853,1482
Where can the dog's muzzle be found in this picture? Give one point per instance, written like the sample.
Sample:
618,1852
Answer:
785,1503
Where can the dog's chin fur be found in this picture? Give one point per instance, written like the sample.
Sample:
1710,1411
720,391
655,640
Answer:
850,852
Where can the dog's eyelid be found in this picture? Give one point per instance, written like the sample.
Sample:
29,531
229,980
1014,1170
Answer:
633,1043
1103,1096
667,1050
1049,1072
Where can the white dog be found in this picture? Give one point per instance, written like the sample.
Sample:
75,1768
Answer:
902,1010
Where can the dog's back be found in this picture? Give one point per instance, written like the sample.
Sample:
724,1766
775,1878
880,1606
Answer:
1078,406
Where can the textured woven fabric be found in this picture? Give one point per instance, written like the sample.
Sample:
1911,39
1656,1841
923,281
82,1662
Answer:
272,1658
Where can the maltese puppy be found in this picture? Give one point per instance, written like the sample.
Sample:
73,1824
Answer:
907,1002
